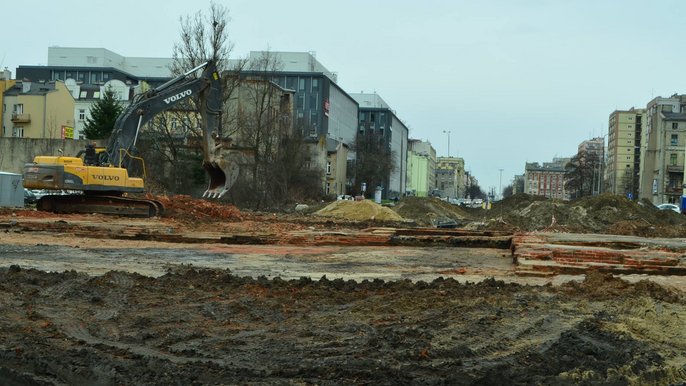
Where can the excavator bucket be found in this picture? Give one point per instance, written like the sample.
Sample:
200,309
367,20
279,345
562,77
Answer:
223,172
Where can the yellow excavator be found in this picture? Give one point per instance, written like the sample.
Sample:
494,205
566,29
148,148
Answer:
101,179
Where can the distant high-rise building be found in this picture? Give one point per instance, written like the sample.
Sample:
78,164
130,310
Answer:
624,135
662,150
594,149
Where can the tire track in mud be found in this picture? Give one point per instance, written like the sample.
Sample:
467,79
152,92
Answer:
76,330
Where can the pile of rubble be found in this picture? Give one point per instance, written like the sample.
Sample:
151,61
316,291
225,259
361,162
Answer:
431,211
605,213
183,207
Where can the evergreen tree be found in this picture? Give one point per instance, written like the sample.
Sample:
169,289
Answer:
103,115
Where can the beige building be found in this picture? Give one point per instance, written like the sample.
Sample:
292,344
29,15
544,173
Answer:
336,167
450,177
624,135
662,150
5,84
38,110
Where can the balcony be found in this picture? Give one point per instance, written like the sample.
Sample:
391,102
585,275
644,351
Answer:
675,168
21,118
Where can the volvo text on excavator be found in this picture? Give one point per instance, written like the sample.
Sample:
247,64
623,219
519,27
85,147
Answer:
104,177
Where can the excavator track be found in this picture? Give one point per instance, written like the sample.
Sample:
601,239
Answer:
111,205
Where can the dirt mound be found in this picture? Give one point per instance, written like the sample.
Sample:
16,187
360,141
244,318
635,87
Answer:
184,207
364,210
430,211
605,213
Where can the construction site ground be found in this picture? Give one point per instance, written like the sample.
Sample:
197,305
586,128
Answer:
210,294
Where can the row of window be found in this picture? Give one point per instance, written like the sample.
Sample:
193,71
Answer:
92,77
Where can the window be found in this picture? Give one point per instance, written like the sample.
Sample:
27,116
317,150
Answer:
81,76
18,132
301,84
675,125
315,85
82,114
174,123
96,94
672,159
18,108
301,102
83,94
674,140
94,77
328,167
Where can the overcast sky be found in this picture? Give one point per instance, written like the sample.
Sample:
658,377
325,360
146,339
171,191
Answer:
514,81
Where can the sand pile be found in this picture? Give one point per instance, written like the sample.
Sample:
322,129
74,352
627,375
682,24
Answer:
364,210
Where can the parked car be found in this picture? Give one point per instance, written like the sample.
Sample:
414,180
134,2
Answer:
29,197
673,207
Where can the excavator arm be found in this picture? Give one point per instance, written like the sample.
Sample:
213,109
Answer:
206,92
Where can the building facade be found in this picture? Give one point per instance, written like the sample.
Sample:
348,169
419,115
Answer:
421,168
38,110
547,180
662,155
377,116
622,171
451,177
323,112
97,66
5,84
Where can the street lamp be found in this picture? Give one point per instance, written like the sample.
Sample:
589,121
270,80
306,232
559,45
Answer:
501,183
448,132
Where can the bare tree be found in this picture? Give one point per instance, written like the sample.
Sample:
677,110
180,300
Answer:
374,162
174,139
580,174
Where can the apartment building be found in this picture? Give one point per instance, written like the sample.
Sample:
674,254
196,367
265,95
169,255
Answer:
622,169
421,167
376,115
6,82
547,180
451,177
38,110
662,150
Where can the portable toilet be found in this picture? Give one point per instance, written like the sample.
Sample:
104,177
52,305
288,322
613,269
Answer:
11,190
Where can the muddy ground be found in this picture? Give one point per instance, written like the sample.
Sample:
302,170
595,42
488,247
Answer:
83,310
